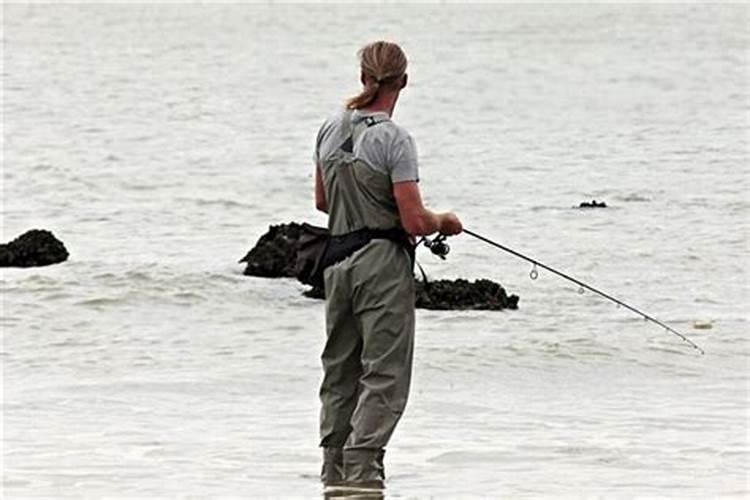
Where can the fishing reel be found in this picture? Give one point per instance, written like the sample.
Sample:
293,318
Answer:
437,246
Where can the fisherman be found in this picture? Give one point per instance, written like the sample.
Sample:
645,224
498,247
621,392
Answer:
366,180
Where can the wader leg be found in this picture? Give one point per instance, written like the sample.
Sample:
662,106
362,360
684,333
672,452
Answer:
332,472
384,307
341,364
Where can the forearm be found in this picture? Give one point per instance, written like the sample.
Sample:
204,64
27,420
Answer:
416,219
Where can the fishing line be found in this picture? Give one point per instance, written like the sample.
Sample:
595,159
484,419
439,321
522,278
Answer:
534,274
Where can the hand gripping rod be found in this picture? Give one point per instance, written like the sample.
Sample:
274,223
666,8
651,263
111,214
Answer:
534,275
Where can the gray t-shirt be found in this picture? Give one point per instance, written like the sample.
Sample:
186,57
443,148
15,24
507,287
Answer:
385,146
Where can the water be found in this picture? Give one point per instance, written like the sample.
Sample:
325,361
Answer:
159,142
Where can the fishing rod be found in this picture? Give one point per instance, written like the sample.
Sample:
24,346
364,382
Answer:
441,249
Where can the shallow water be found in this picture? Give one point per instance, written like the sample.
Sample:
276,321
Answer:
159,142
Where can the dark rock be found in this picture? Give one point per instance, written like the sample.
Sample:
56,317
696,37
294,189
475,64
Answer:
274,255
315,293
592,204
462,294
453,294
37,247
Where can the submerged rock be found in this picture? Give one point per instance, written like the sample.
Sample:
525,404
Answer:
592,204
37,247
274,255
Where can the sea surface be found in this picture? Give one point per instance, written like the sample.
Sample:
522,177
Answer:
159,142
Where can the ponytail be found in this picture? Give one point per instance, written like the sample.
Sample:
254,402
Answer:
382,65
366,97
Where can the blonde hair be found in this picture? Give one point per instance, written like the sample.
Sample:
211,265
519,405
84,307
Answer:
382,64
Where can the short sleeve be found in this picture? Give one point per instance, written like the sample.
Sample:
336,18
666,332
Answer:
316,151
403,160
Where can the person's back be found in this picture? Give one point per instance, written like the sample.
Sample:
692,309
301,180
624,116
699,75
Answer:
361,155
366,180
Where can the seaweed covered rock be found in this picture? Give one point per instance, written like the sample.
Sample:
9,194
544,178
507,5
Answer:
37,247
463,294
274,255
459,294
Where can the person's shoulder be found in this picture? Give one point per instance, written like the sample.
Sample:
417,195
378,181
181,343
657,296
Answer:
398,133
386,125
328,121
336,117
331,122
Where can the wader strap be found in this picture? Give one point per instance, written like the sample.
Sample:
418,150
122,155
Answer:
348,144
424,277
350,131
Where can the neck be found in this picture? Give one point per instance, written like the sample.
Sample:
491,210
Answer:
385,102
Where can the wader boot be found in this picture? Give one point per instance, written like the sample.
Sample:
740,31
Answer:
365,477
332,473
364,468
367,358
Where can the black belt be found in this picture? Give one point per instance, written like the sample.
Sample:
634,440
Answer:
342,246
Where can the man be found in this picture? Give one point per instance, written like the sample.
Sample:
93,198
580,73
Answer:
367,182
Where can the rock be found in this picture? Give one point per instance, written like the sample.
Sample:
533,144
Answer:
37,247
315,293
448,295
462,294
592,204
702,325
274,255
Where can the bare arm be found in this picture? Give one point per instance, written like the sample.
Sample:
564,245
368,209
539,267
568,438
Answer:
320,193
418,220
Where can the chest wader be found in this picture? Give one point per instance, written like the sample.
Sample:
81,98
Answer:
367,358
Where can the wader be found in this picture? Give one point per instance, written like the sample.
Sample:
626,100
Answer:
369,320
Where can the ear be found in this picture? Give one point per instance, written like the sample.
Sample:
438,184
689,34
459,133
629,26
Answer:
404,80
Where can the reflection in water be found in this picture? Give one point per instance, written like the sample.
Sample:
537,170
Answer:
342,493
